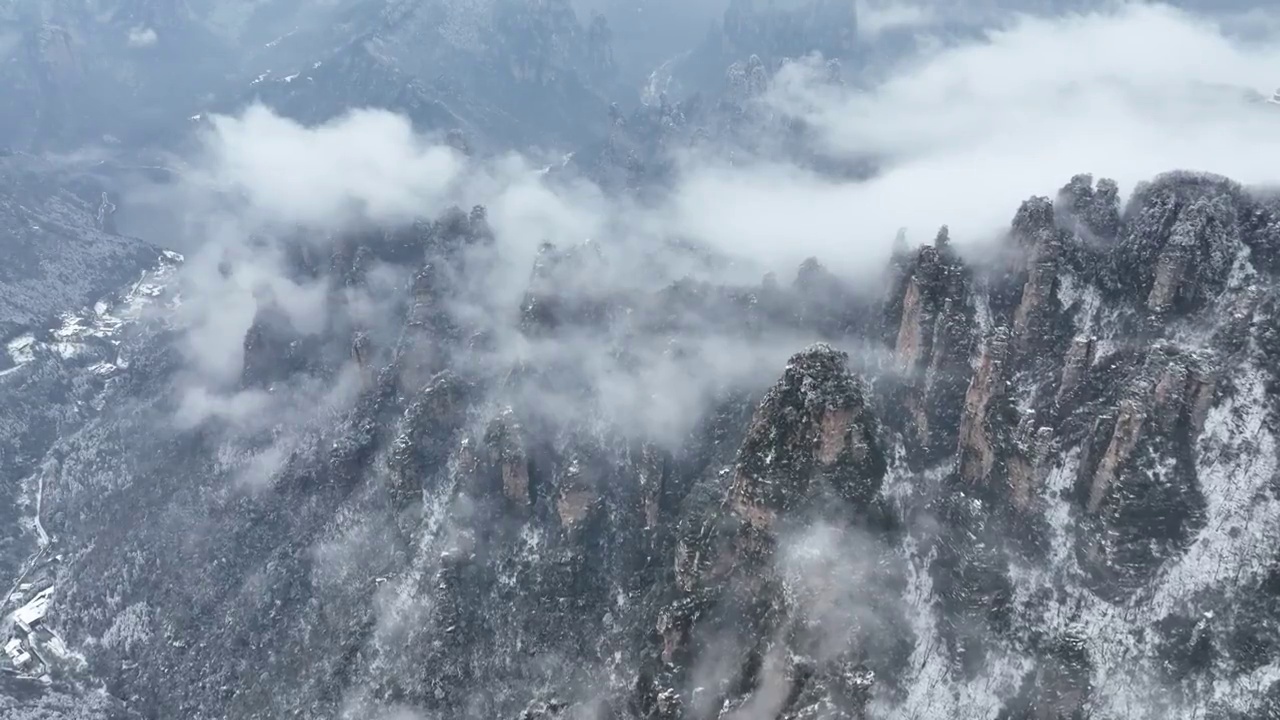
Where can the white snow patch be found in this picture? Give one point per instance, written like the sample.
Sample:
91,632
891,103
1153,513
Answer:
1236,464
66,350
658,83
933,691
56,646
103,369
982,312
278,40
1068,290
1087,316
22,350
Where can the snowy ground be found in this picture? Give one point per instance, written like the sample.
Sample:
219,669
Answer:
24,626
102,322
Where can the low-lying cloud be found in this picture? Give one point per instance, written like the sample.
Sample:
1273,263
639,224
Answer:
368,166
963,134
876,17
960,135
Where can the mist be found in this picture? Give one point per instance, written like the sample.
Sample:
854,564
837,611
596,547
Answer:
428,382
961,135
964,134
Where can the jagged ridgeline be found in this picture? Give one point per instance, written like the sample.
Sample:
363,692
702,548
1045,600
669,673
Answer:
1037,481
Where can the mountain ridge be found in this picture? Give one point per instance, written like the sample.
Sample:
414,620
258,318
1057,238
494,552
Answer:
494,509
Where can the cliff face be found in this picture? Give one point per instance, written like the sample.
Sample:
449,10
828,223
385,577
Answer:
1035,486
930,324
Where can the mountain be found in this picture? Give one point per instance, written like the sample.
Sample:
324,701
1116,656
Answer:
424,464
69,285
790,28
102,72
132,72
514,71
1034,484
58,238
768,32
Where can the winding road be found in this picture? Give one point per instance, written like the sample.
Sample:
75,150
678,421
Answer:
43,541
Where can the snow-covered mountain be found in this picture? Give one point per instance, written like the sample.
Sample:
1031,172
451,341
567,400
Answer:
355,452
1038,488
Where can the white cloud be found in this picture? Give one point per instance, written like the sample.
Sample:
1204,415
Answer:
963,135
262,178
967,132
141,37
224,284
365,166
879,16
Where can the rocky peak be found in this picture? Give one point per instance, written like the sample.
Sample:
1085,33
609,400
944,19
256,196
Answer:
813,434
929,284
1182,235
746,80
803,489
426,435
930,326
274,349
504,441
1034,310
566,287
1262,222
1034,222
1075,366
822,300
1089,210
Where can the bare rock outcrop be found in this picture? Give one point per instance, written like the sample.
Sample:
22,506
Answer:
811,454
930,324
1089,209
985,418
1139,488
1182,235
427,434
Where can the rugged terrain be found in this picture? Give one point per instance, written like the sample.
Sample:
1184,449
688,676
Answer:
134,73
59,242
1031,478
1037,482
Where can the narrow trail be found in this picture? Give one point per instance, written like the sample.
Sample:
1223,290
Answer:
44,536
